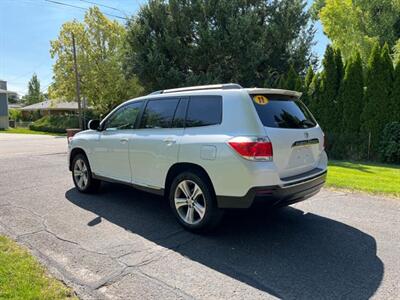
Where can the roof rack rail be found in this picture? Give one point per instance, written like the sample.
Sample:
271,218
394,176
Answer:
225,86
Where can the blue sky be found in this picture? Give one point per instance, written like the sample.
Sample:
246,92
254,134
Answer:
27,26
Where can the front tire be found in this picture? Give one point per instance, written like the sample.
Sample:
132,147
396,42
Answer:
82,175
193,202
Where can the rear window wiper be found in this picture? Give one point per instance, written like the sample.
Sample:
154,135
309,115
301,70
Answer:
307,123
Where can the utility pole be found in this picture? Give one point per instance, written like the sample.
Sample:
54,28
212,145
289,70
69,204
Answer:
78,84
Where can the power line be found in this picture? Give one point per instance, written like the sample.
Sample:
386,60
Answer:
17,77
102,5
83,8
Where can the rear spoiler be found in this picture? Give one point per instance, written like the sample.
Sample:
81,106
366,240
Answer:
288,93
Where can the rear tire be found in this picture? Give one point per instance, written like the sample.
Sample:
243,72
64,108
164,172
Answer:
82,175
193,202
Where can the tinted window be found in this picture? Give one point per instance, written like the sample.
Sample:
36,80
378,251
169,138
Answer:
125,117
204,110
180,113
284,113
159,113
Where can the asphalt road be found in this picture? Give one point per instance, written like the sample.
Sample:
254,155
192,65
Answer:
125,244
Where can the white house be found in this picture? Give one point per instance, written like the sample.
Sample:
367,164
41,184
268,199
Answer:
3,105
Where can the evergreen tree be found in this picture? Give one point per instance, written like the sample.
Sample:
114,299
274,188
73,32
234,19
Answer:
351,94
34,94
309,77
329,110
330,89
299,86
339,65
395,98
379,83
292,77
179,43
340,69
314,92
282,82
307,82
387,88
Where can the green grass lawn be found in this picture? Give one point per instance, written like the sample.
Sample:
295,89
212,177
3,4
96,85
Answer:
22,277
28,131
366,177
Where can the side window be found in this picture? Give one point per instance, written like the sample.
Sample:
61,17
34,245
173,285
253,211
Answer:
180,114
204,111
125,117
159,113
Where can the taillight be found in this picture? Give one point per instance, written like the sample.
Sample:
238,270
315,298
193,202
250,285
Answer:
252,148
325,142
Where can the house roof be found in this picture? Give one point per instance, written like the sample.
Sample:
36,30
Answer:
14,105
52,105
7,92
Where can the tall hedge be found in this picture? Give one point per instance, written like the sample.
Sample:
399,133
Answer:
291,81
331,80
355,103
395,98
379,82
351,95
306,87
328,110
340,71
314,94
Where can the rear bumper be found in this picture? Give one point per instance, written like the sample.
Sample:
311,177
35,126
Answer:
276,195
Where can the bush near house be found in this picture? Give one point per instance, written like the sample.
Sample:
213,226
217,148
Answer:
14,114
56,124
31,116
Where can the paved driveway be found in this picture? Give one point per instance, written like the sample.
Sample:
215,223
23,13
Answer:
125,244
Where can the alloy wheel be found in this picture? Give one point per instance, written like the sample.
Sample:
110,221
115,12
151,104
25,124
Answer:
81,174
189,202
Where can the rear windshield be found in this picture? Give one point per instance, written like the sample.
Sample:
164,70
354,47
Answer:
282,113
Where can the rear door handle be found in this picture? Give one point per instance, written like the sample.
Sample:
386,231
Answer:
123,141
169,140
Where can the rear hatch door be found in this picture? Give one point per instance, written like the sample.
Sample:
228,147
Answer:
296,138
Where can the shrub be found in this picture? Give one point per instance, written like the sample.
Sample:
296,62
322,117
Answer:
57,124
390,143
14,114
31,116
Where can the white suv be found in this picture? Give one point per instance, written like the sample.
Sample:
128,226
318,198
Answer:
206,148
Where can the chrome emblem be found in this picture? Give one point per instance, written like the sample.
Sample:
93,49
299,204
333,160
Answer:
306,135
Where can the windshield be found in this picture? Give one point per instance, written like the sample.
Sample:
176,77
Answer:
282,113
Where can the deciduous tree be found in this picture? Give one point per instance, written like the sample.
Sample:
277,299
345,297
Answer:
359,24
99,44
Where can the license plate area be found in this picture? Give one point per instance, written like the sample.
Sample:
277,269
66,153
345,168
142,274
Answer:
301,156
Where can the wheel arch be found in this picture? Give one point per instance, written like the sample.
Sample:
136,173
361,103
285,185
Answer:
181,167
74,152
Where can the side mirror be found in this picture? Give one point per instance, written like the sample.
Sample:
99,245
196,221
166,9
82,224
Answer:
94,124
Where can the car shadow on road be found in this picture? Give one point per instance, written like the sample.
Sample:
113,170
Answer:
286,253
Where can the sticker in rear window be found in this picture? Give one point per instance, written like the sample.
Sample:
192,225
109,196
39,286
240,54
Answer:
260,99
